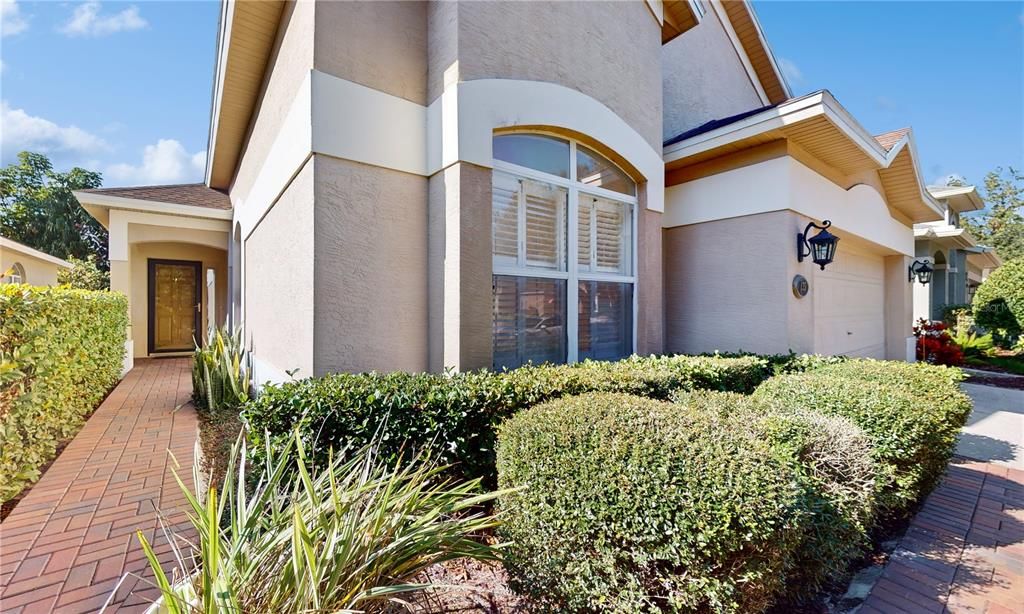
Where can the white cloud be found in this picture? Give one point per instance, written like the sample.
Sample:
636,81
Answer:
20,131
86,20
790,70
164,162
11,20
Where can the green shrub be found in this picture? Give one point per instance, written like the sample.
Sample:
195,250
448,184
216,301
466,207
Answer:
912,413
454,415
220,377
831,457
352,536
974,345
999,301
61,350
628,504
84,274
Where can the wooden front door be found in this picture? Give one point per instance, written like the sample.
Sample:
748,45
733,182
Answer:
175,303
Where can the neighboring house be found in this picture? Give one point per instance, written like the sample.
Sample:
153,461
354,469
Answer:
20,264
423,186
959,263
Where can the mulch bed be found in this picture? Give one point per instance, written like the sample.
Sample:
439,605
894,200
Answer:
466,585
999,381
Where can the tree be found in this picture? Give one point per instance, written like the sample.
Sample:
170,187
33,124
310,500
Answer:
1001,224
84,274
38,209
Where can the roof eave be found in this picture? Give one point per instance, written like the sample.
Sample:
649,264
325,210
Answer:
99,205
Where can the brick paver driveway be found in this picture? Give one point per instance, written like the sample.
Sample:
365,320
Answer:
964,551
71,540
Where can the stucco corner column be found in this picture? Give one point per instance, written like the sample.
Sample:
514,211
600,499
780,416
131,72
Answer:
899,308
459,253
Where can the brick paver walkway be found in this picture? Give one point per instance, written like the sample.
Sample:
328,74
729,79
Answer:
964,551
69,542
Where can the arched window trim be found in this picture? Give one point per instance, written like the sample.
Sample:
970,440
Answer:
16,274
572,276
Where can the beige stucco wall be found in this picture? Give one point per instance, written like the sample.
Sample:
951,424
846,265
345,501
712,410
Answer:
289,66
609,51
703,78
278,273
729,295
138,292
382,45
38,272
650,323
460,272
371,268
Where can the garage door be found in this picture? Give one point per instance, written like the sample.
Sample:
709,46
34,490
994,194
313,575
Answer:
849,306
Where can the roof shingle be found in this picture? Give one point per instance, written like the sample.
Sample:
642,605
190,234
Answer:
192,194
888,139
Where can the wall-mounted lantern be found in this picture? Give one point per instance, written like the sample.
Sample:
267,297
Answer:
821,247
922,269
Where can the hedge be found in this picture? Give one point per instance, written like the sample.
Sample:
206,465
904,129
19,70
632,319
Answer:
625,504
998,303
61,350
453,416
912,413
831,458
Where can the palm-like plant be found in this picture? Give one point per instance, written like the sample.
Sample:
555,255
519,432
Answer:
351,536
220,378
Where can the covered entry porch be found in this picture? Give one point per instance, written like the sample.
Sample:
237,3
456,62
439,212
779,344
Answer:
169,256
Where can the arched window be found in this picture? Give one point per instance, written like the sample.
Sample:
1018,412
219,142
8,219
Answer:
562,227
15,274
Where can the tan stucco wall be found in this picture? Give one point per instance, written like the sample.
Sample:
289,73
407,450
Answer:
289,66
382,45
728,295
278,271
460,320
609,51
37,272
138,295
650,324
371,268
703,78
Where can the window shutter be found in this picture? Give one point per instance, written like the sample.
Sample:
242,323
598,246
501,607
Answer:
505,219
545,225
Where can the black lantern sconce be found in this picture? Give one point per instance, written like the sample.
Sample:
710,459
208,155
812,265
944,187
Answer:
922,269
821,247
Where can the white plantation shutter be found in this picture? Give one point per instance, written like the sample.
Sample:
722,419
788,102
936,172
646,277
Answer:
545,225
605,236
505,219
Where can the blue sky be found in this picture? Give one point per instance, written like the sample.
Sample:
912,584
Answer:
124,88
953,71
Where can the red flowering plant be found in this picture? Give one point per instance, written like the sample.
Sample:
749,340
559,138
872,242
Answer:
935,345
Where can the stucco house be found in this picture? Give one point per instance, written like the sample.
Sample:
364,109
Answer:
430,185
959,263
20,264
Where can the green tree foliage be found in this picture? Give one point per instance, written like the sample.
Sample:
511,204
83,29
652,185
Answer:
84,274
1001,224
38,209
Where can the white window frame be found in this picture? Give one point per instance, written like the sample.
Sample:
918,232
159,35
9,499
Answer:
572,275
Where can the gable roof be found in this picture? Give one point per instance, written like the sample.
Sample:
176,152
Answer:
825,130
889,139
23,249
191,194
755,45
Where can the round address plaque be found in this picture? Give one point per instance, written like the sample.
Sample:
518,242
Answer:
800,286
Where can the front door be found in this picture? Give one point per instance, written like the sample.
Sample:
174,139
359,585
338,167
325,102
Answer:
174,305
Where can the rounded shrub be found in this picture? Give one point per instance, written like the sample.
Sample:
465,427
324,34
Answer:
831,457
999,301
912,436
625,504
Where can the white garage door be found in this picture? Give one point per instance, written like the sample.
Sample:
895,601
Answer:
849,306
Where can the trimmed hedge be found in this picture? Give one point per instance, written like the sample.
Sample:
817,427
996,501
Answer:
831,458
453,416
625,504
998,303
61,350
911,412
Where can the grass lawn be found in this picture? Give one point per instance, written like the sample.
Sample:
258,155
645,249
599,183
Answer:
1008,363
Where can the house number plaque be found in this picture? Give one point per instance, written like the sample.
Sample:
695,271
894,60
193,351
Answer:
800,286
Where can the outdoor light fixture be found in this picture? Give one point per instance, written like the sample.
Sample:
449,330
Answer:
922,269
821,247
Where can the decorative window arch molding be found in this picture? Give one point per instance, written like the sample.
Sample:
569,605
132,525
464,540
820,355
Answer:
461,123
